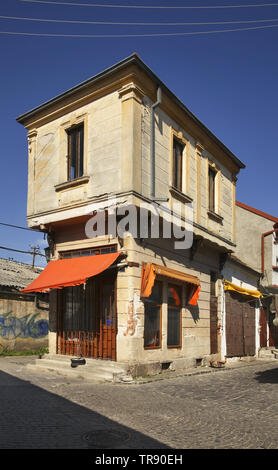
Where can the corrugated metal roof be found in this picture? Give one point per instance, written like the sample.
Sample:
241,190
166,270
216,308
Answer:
16,274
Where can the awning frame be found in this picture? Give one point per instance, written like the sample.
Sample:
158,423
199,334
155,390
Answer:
230,286
151,271
62,273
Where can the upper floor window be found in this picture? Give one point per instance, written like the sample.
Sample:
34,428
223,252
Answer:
75,152
212,189
177,164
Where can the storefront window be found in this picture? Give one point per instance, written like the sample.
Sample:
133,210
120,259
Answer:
152,327
174,316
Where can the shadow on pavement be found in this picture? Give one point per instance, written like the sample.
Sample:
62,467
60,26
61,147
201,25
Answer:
33,418
268,376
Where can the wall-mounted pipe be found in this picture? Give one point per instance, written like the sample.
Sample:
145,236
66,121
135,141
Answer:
275,230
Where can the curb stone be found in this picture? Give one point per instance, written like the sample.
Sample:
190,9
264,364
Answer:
196,371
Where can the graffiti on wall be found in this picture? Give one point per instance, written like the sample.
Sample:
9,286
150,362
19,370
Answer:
29,326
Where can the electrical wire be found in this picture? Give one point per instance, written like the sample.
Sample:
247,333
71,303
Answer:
174,7
23,228
188,33
21,251
50,20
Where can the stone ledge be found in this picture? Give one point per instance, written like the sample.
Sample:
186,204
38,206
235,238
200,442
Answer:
72,183
177,194
216,217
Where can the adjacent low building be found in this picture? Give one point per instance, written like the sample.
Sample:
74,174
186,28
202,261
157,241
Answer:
257,246
24,318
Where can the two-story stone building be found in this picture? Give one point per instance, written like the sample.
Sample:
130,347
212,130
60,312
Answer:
137,299
257,247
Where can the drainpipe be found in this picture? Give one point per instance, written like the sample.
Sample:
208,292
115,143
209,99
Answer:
275,230
152,143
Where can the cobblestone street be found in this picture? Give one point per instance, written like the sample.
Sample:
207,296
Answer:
223,409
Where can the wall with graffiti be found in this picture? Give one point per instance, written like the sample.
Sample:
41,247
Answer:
24,322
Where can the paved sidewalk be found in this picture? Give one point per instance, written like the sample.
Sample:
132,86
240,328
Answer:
235,407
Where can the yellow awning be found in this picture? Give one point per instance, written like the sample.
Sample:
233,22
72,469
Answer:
250,292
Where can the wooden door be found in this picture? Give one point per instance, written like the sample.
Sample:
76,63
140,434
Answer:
263,328
240,326
107,319
248,313
213,325
234,327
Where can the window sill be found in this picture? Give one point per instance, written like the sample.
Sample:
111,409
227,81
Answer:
176,193
218,218
72,183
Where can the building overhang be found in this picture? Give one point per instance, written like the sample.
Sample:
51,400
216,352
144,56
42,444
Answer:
271,290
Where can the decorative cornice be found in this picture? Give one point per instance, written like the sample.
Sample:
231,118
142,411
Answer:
199,147
131,91
103,197
32,134
234,179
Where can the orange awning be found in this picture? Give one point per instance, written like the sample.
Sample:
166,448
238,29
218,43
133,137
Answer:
150,271
70,272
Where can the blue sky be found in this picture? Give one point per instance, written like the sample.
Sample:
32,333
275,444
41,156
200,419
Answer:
228,80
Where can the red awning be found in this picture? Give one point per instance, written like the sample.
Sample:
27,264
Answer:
70,272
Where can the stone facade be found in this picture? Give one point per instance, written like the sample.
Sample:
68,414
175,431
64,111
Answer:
115,109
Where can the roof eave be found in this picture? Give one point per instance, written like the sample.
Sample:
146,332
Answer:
131,60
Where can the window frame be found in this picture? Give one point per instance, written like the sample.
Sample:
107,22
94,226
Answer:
212,203
76,130
92,251
155,304
182,193
177,180
178,308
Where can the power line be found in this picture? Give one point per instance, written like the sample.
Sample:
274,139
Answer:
50,20
178,7
22,251
23,228
191,33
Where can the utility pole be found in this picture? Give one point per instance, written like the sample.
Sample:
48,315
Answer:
35,251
